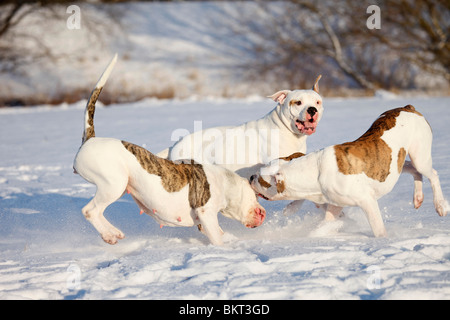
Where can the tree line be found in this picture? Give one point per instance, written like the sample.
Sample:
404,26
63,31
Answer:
291,41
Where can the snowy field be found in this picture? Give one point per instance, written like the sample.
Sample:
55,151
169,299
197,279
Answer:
49,251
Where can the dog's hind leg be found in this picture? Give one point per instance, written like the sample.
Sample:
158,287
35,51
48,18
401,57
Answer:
106,194
418,193
440,203
420,154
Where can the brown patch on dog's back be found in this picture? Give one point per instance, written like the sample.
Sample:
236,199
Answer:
293,156
369,153
401,159
174,176
371,157
409,108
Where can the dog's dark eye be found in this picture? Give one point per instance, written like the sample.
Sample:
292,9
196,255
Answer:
299,103
318,102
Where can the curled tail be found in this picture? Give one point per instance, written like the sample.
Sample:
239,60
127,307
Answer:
89,131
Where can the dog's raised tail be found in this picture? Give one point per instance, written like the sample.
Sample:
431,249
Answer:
89,131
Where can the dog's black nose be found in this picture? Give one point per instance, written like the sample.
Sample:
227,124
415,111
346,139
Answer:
312,111
253,177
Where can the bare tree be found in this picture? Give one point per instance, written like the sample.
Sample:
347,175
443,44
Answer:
298,36
12,14
14,53
422,32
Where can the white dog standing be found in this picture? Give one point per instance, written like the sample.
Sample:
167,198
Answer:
245,148
358,173
175,194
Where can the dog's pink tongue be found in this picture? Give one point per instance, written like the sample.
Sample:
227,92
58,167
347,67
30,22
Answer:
307,127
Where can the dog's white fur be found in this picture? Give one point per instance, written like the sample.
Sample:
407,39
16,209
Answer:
114,169
318,176
253,144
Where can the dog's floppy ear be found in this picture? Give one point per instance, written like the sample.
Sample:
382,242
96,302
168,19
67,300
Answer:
316,84
280,96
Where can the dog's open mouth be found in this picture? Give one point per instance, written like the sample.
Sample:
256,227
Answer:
306,127
262,196
309,124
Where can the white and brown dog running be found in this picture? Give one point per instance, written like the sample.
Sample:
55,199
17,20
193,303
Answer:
174,194
358,173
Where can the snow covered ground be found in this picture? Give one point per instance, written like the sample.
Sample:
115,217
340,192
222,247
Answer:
49,251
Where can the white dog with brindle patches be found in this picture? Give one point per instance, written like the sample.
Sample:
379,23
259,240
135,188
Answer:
175,194
358,173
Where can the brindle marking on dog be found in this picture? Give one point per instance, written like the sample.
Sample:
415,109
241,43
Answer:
90,132
293,156
174,176
369,153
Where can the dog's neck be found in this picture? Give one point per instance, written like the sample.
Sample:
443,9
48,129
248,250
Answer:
284,123
298,141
